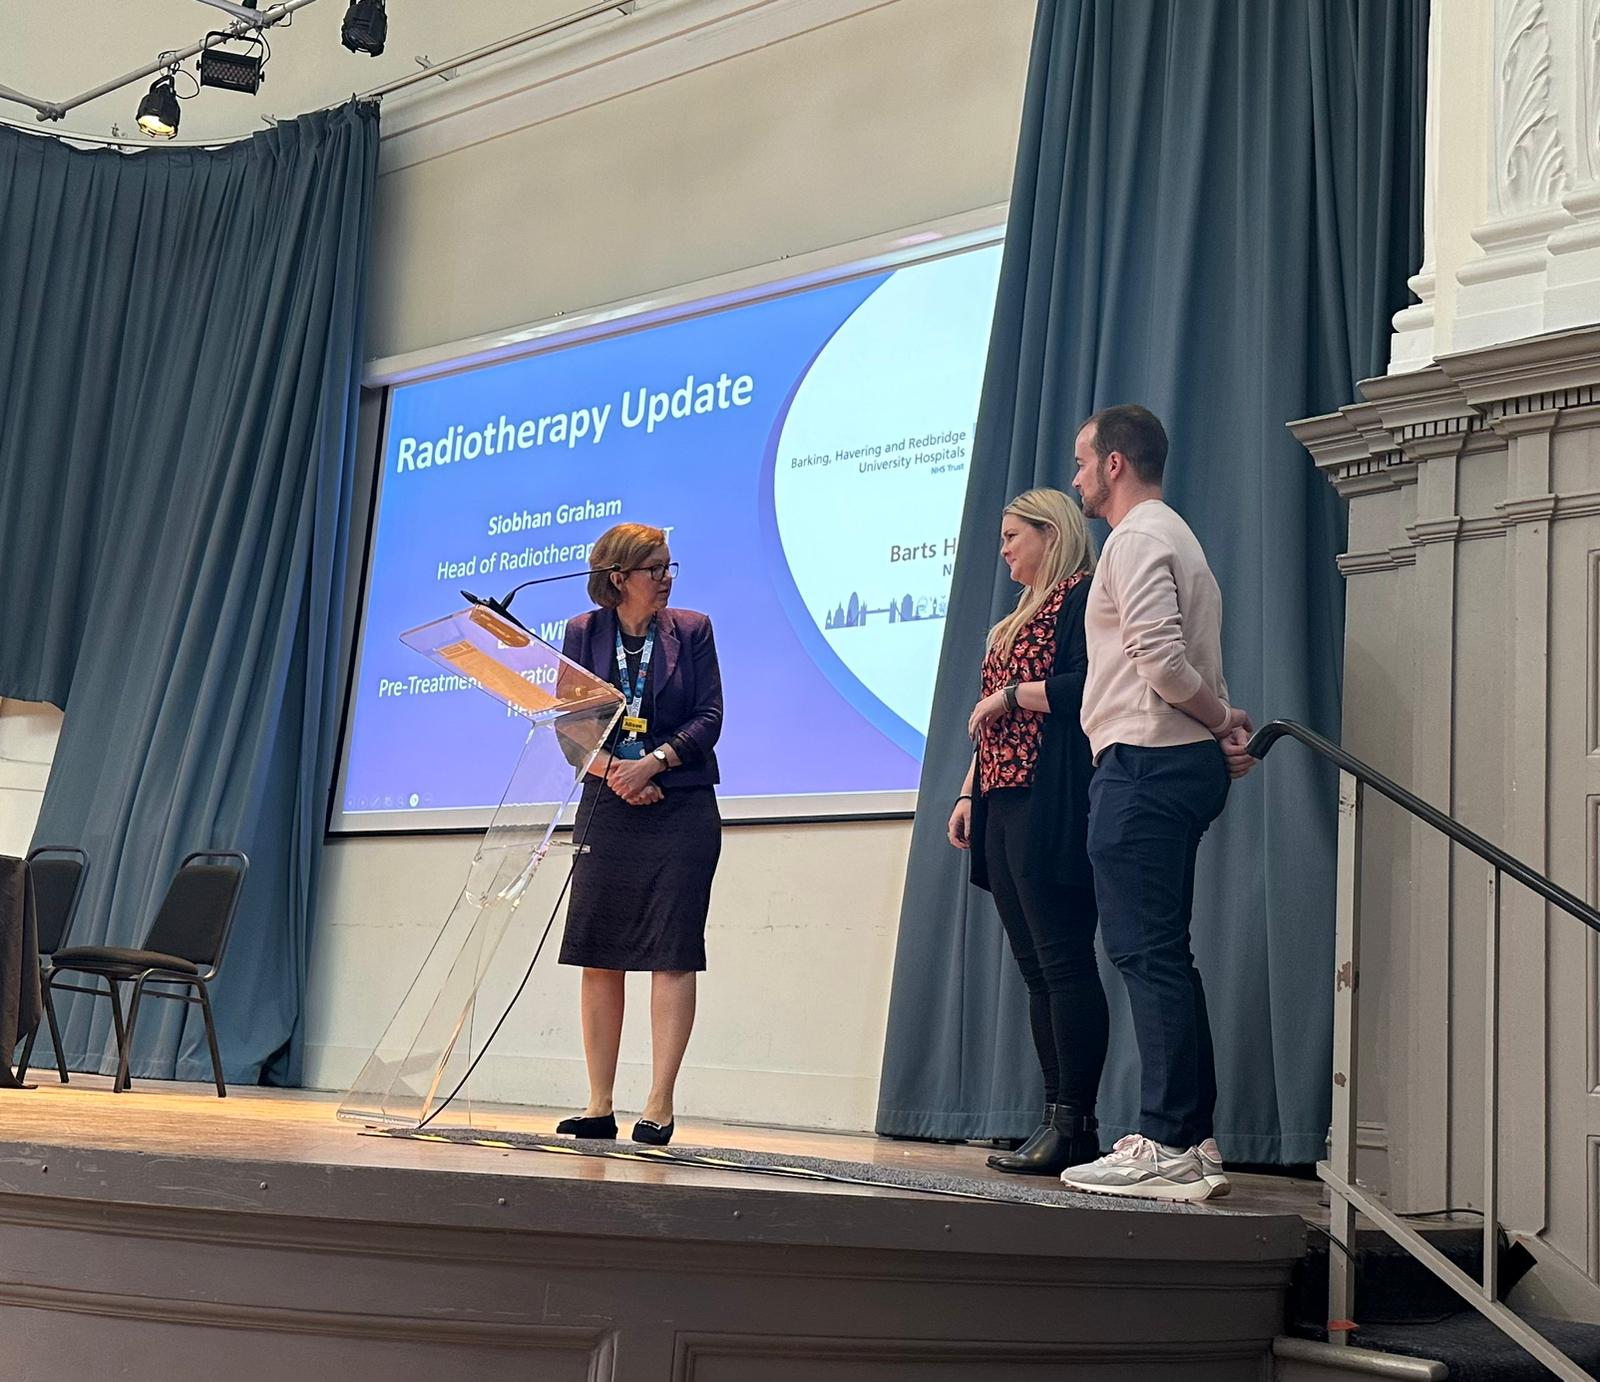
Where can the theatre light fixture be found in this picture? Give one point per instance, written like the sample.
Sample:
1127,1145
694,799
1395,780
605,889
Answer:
232,69
366,26
158,111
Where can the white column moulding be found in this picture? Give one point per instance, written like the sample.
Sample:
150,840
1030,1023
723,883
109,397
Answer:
1412,345
1572,288
1540,270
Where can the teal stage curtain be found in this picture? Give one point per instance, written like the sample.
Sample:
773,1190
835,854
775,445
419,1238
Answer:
1215,208
178,383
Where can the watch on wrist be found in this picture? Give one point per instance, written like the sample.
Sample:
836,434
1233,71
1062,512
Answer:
660,755
1010,693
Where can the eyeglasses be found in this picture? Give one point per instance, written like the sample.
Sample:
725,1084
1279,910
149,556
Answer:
658,572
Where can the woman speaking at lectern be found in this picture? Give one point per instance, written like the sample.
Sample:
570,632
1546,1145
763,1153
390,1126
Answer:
1024,810
648,818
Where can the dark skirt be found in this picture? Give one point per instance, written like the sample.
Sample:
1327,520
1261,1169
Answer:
642,886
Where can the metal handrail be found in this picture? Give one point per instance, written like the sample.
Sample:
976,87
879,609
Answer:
1553,893
1347,1196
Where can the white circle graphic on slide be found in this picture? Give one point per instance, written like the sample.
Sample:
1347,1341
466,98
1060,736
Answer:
870,473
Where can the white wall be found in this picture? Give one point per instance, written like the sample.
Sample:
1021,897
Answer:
27,744
897,115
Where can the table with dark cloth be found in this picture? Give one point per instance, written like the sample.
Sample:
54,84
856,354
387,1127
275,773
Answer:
19,964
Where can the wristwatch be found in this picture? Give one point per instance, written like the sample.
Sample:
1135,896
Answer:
660,755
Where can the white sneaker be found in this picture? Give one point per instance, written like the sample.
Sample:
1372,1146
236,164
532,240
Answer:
1139,1167
1211,1164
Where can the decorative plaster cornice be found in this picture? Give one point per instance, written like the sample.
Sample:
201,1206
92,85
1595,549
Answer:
1534,508
1585,504
1419,400
1436,530
1353,451
1384,559
1333,440
1454,406
1537,366
1481,529
1466,404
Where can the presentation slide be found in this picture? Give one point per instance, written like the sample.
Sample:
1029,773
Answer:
806,454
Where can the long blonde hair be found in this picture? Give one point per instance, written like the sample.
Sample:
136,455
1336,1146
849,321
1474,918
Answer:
1068,550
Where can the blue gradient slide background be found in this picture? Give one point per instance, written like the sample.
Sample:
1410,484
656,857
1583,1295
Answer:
802,720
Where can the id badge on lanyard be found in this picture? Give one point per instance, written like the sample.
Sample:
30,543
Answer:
632,745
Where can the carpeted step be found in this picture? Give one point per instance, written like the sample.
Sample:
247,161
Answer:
1392,1287
1476,1351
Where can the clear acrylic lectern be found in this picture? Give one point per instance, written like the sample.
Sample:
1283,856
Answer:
438,1032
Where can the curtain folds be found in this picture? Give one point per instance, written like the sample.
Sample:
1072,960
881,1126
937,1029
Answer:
1215,208
178,389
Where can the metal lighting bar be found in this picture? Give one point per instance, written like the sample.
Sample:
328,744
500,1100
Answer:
32,102
50,111
492,49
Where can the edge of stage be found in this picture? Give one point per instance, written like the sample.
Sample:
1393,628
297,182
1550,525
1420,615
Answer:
185,1236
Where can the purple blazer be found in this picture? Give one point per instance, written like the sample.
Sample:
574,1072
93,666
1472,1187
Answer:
682,691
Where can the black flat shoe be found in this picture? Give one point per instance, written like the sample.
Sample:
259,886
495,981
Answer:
601,1128
653,1134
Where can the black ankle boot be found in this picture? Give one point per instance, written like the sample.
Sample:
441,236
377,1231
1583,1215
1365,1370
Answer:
1067,1138
999,1160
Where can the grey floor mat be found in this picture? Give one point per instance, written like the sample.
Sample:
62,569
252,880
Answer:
1045,1191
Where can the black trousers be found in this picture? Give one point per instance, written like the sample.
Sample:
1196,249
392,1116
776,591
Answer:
1148,808
1051,930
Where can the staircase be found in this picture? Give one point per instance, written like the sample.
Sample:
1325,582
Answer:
1480,1333
1412,1325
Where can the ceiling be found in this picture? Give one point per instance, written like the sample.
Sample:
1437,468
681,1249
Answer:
55,49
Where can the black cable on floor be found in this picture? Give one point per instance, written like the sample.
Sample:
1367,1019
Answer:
577,849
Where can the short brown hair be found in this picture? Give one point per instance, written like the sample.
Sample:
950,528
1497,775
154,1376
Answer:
624,546
1137,433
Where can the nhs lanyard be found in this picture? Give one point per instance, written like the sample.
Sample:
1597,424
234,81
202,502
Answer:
633,692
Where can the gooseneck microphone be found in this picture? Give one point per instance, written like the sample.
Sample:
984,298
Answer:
502,606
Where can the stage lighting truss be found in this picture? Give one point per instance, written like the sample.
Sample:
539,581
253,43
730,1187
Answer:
233,69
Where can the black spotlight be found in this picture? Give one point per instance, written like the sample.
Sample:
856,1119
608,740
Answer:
232,71
366,26
158,111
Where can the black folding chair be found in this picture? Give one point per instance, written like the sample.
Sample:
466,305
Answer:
56,874
184,948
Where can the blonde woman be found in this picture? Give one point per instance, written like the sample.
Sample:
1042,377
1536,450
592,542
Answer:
1023,812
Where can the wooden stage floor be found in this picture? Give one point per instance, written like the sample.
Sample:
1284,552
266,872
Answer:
164,1233
298,1127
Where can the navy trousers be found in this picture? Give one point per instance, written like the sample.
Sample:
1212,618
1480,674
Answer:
1148,808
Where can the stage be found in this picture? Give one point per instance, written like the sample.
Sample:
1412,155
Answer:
259,1237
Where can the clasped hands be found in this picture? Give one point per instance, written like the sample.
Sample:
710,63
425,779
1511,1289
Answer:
633,779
